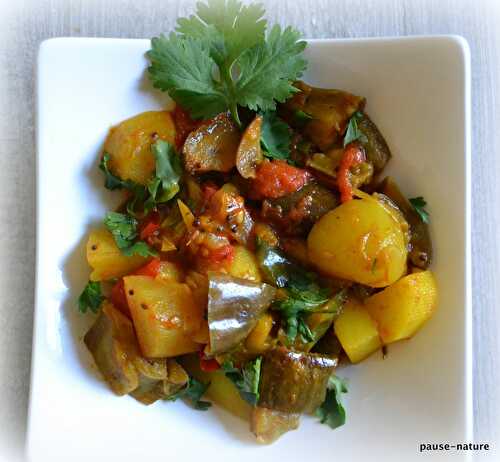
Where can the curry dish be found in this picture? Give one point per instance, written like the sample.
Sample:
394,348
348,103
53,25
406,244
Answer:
258,245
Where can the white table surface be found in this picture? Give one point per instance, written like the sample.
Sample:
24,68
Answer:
24,25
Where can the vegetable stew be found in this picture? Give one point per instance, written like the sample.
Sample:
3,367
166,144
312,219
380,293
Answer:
258,244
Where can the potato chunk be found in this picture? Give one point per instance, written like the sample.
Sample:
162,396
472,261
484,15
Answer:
106,259
244,265
361,241
129,144
357,332
164,315
401,309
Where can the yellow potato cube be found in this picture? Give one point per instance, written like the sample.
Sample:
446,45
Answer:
107,260
401,309
129,144
164,315
357,332
244,265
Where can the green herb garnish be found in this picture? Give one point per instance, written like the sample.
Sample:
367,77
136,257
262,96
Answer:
193,393
353,132
165,184
332,412
222,58
123,227
246,379
275,136
91,297
419,204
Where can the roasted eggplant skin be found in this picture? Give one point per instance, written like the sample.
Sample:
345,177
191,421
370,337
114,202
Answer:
268,425
294,382
234,307
420,240
329,112
376,148
296,213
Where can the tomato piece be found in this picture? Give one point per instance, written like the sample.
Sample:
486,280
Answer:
184,125
277,178
222,254
119,298
150,226
208,365
151,269
353,155
208,190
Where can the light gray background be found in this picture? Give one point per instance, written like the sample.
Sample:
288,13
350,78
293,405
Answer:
25,25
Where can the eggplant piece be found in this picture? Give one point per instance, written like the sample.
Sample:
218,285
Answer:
294,382
376,148
111,342
159,379
329,112
212,146
268,425
275,267
234,307
329,345
249,154
296,213
420,240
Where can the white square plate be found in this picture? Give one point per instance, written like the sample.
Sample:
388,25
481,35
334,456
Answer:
417,90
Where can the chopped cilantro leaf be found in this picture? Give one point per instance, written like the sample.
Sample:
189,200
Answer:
165,185
124,230
91,297
112,182
193,393
353,133
419,205
275,136
332,412
246,379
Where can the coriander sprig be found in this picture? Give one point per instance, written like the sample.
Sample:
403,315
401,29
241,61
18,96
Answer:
222,58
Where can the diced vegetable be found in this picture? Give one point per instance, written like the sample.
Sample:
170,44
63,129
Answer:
186,214
329,111
294,382
376,149
244,265
401,309
420,242
106,259
274,265
184,125
268,425
164,316
212,146
129,144
221,390
227,208
249,154
357,331
296,213
170,271
111,340
361,241
258,340
234,306
277,179
353,156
